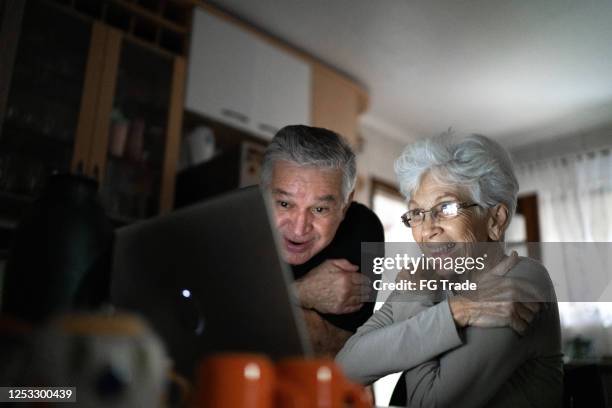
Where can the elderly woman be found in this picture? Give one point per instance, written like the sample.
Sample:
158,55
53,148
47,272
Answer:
453,351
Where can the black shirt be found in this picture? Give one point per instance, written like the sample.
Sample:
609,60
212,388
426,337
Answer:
359,225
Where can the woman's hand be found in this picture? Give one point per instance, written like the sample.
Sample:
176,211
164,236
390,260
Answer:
516,315
499,301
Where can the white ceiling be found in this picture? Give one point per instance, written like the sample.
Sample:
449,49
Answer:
517,70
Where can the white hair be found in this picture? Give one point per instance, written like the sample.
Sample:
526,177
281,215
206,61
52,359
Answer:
478,164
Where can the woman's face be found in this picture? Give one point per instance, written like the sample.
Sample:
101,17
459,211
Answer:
468,226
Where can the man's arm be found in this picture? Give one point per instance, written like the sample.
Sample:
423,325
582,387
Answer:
326,339
335,286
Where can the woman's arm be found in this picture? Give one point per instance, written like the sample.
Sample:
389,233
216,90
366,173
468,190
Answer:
382,346
470,375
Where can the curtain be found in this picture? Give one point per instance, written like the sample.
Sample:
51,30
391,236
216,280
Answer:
575,205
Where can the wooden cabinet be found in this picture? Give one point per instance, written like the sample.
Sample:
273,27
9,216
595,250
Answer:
220,74
336,102
281,90
243,80
137,128
250,81
89,98
42,115
98,87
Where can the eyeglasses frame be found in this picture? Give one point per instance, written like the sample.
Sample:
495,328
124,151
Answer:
462,206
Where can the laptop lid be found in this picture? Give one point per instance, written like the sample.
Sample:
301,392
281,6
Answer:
209,278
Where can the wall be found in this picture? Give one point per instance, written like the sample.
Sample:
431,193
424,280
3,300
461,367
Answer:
380,147
587,140
379,151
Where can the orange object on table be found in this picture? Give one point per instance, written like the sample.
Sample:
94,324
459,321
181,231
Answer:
236,380
242,380
323,383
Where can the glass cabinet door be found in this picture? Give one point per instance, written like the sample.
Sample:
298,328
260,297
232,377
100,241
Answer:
137,132
38,134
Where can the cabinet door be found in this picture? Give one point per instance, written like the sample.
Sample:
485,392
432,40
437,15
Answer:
282,90
337,103
56,63
137,132
220,78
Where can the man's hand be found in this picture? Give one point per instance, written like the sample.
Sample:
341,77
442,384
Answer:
335,286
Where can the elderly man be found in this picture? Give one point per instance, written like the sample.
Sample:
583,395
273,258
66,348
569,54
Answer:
310,174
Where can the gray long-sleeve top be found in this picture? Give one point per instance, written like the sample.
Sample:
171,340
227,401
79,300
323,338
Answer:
474,367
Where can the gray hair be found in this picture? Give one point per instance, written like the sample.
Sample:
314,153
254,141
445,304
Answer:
311,147
477,163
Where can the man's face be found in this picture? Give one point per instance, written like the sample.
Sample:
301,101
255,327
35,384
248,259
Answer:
308,208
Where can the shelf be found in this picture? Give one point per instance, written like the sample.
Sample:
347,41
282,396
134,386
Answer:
53,121
226,137
157,19
151,165
26,138
163,24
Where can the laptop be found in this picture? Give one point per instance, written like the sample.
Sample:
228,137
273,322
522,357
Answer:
209,278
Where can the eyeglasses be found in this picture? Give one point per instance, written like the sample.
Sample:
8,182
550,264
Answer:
442,211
